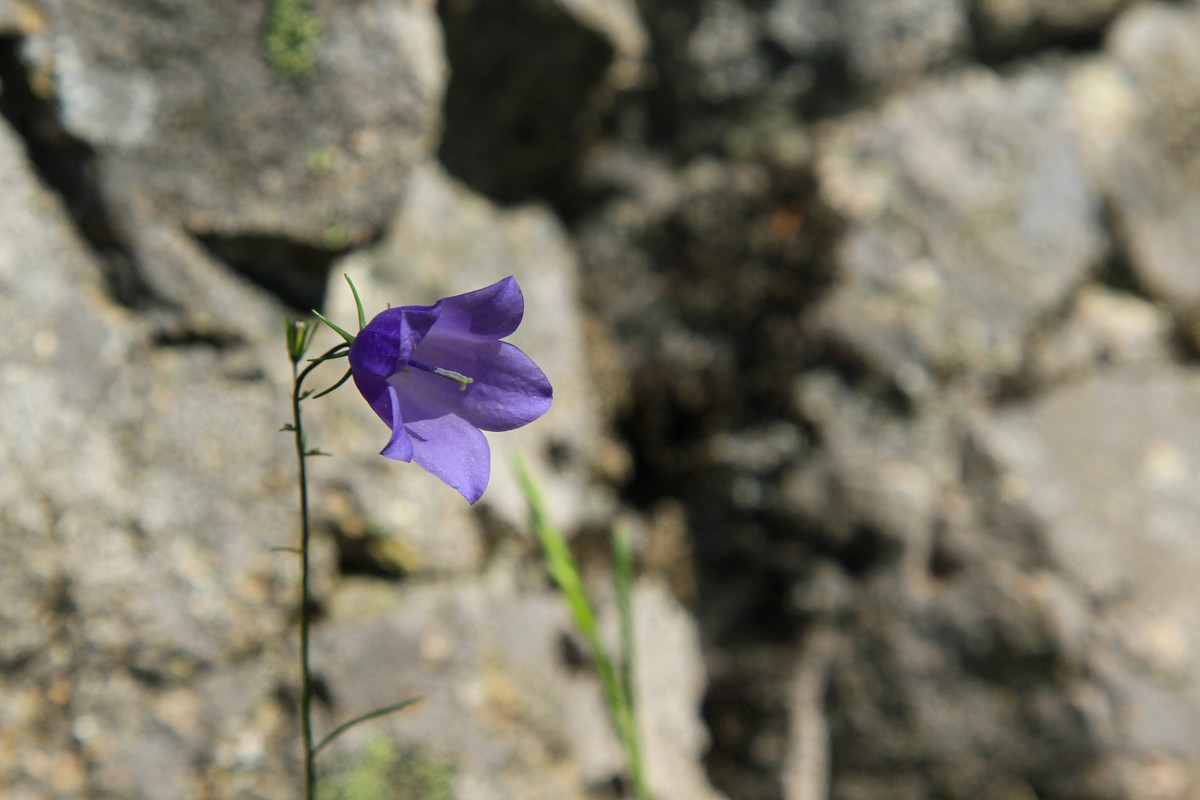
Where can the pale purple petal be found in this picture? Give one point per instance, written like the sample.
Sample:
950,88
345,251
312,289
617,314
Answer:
492,312
452,449
508,389
400,446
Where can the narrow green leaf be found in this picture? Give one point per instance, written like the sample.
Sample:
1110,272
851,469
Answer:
331,388
622,550
340,351
618,690
295,550
349,339
288,428
362,319
370,715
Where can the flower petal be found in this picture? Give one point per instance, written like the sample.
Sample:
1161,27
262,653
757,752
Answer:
508,389
452,449
400,446
387,342
492,312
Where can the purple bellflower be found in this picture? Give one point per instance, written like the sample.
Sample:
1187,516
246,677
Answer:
439,375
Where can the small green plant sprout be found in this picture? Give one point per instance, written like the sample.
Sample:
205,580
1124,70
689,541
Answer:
291,37
616,678
384,772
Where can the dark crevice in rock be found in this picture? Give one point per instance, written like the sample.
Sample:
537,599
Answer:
999,50
745,708
360,555
192,337
1023,383
1120,273
738,266
517,109
294,272
68,166
1117,271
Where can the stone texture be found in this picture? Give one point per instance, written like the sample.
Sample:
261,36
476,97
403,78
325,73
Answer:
880,46
1116,511
887,359
499,701
147,633
893,44
190,120
116,598
969,217
1150,156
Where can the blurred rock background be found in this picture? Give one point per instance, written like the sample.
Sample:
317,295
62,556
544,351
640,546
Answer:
879,323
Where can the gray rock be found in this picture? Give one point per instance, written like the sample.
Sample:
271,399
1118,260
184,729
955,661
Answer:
892,43
142,605
1102,327
883,44
13,15
300,125
969,217
499,700
112,596
1148,155
723,48
1116,511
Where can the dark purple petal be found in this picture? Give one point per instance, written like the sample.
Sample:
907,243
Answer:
492,312
451,448
385,345
508,389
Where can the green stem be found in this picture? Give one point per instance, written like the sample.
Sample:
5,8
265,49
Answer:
306,693
310,778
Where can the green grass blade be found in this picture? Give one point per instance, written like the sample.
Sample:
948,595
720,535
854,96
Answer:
565,572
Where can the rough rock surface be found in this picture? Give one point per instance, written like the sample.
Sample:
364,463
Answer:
191,118
969,216
1152,158
142,629
877,322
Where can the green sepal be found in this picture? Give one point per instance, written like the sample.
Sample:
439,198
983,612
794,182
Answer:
348,337
331,388
362,319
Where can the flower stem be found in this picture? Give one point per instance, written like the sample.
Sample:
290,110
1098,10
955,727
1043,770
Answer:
310,778
306,692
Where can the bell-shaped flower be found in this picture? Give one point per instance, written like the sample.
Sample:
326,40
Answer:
439,375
